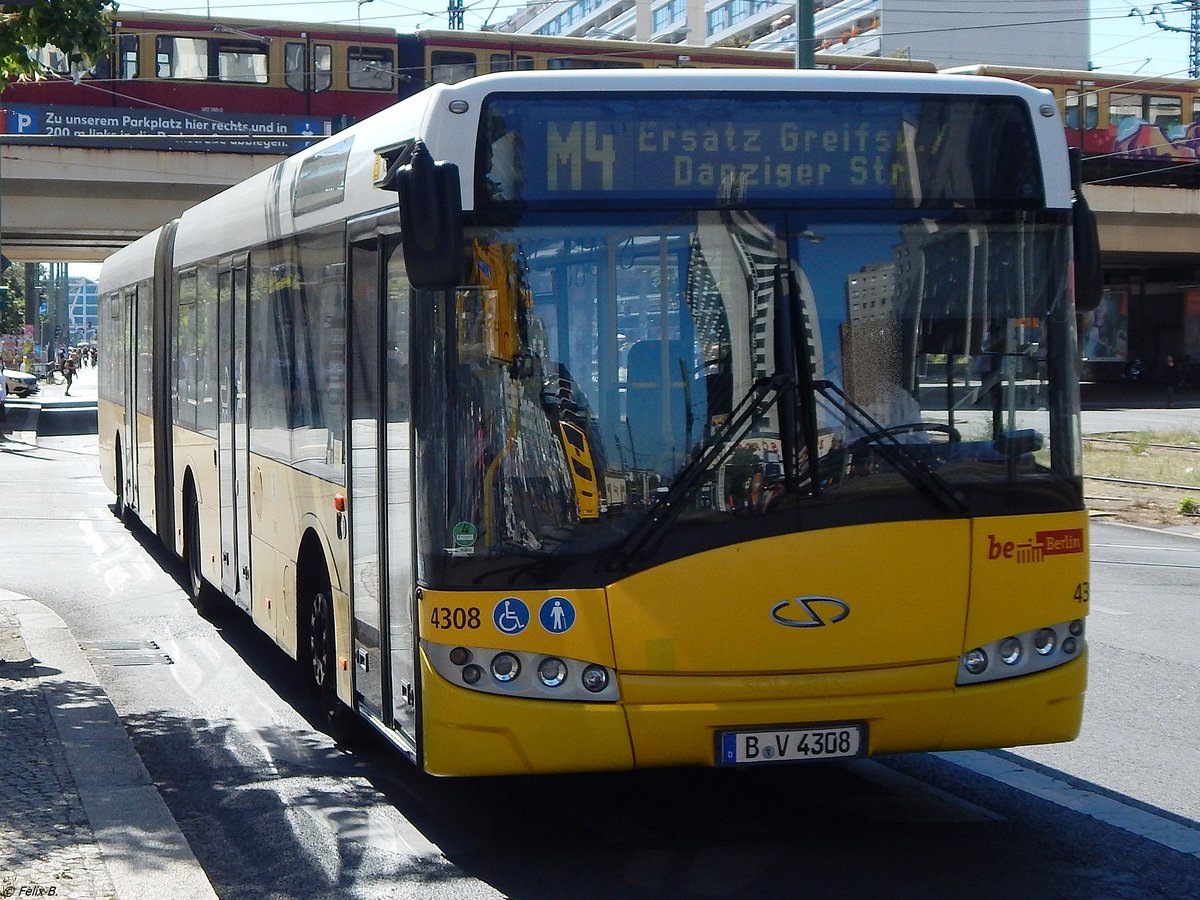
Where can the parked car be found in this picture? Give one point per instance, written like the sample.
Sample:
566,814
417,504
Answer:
20,384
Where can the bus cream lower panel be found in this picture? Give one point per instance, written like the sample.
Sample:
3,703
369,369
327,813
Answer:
145,471
464,732
109,416
343,652
195,453
267,566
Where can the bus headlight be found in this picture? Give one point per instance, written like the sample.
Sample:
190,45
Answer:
518,673
505,667
595,678
552,671
1052,646
975,661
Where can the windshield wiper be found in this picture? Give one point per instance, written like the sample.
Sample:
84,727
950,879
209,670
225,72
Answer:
893,450
720,444
778,389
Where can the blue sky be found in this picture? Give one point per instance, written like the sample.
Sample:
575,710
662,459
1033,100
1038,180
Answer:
1121,40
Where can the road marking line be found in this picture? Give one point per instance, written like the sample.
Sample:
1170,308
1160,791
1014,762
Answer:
1166,832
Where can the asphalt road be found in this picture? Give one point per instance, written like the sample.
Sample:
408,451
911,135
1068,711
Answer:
273,808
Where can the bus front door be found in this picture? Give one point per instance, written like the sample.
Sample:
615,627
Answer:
380,488
233,434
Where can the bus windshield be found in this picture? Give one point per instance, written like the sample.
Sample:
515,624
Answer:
627,387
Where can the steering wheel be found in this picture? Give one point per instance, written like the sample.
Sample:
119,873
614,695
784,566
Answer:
875,436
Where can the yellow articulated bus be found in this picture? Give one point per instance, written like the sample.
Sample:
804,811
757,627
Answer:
578,421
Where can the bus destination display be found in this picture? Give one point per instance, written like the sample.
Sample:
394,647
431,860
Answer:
877,150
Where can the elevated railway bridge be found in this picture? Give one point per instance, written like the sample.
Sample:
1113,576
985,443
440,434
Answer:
78,204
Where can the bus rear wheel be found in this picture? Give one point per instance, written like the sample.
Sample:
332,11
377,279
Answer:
322,660
202,596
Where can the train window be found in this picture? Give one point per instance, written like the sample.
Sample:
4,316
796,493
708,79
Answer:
127,50
295,66
451,68
504,62
296,72
1164,111
1081,105
241,62
588,62
322,67
371,69
1196,109
180,57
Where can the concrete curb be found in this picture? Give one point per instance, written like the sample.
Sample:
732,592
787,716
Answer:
139,840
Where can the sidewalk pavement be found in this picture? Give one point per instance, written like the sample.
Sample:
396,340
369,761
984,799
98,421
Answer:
79,815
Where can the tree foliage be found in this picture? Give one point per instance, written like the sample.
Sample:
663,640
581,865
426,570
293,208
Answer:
79,28
12,313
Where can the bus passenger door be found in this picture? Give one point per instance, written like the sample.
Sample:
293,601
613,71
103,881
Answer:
367,535
132,391
380,496
233,434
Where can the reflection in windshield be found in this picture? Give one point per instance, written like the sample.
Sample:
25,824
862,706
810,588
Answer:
735,366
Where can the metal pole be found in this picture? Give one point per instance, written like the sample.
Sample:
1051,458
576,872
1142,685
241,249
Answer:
805,40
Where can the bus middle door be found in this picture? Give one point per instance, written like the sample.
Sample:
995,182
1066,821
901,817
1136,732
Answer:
233,433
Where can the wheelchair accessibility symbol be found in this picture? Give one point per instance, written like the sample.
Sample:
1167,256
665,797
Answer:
511,615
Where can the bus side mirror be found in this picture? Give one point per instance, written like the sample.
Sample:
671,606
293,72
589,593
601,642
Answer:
431,224
1085,236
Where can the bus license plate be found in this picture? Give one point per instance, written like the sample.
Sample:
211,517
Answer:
791,744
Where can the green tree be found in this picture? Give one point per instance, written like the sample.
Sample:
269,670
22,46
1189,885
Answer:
12,300
78,28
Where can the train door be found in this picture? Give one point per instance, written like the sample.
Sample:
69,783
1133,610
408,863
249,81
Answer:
233,433
380,487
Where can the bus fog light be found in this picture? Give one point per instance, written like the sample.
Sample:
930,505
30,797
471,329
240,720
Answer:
460,656
472,674
1010,651
595,678
505,667
1076,628
975,661
1070,645
552,672
1045,641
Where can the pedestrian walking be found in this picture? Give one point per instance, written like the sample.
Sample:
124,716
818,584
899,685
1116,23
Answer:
68,370
1171,378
